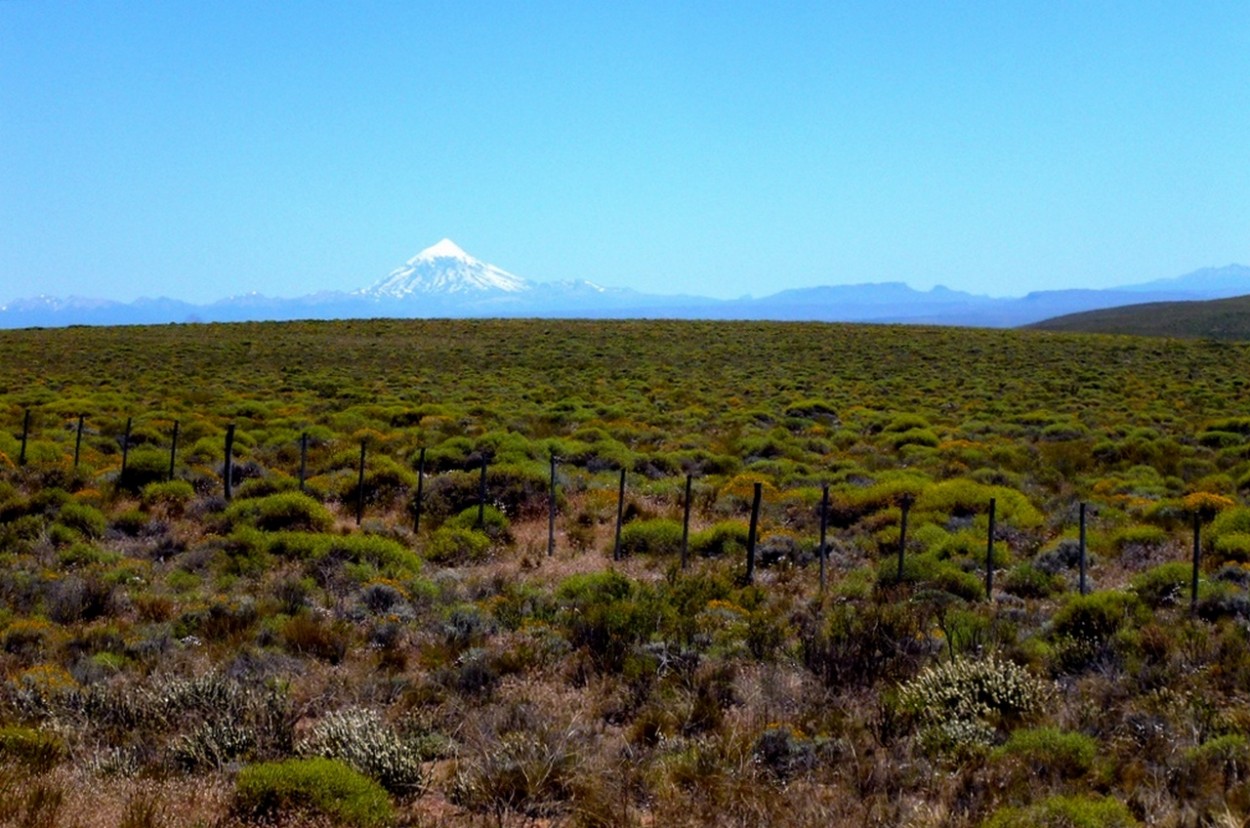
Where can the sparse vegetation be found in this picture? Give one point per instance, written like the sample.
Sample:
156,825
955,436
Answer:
170,654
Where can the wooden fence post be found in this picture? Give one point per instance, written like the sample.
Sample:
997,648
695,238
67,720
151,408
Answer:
551,511
125,449
228,465
685,523
173,451
1193,585
303,461
751,532
620,518
416,520
989,555
824,533
1081,514
360,487
21,458
78,439
481,497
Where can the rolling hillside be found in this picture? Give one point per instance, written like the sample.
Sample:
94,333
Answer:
1213,319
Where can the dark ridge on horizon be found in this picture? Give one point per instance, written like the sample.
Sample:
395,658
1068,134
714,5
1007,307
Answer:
1227,319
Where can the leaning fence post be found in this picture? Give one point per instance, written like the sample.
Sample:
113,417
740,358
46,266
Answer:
360,487
21,458
1193,585
173,450
78,439
228,466
685,524
755,521
824,533
303,460
620,518
416,520
551,511
989,555
1082,544
481,497
125,449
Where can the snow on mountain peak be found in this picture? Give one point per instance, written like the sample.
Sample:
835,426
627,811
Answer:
445,269
445,249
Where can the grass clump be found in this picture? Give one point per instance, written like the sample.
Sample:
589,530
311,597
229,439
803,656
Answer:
1049,752
1065,812
37,750
316,786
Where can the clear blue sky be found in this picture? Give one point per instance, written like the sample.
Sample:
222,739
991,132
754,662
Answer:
202,149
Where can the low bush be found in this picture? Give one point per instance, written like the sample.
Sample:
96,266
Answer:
457,546
285,511
725,538
1232,547
1050,753
651,537
320,787
172,495
83,518
1148,537
1027,581
1065,812
1095,617
493,523
1164,585
988,690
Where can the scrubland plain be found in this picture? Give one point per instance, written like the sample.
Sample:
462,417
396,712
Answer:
170,656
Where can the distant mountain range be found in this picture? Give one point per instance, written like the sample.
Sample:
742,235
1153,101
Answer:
445,281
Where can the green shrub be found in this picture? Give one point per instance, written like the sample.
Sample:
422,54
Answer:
386,554
1235,520
1027,581
1051,752
603,616
1233,547
652,537
173,495
1164,585
360,738
318,786
1065,812
286,511
457,546
385,481
1223,759
726,537
927,571
962,497
143,466
915,437
1150,537
1095,617
494,523
83,518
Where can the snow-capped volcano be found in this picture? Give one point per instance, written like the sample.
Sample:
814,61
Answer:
445,269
